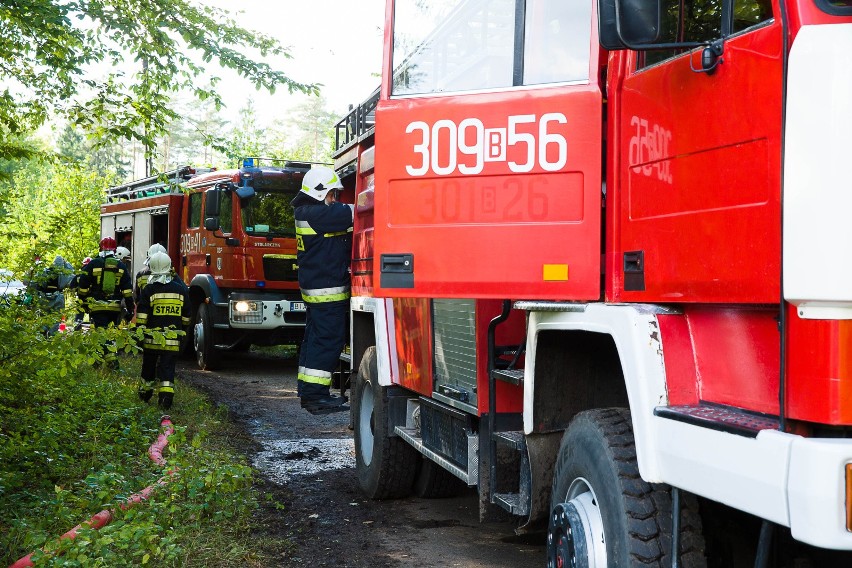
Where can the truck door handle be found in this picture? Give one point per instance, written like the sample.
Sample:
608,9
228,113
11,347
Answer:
207,259
397,270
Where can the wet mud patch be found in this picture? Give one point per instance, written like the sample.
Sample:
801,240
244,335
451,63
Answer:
281,460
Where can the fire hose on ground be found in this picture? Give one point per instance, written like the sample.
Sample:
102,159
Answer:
100,520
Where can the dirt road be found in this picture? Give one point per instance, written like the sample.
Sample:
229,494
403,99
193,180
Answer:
307,463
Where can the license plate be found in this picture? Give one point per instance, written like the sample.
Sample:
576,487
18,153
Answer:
297,306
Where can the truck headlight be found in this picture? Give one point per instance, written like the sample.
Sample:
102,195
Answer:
243,306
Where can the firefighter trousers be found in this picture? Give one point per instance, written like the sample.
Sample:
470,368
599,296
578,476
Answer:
326,330
158,365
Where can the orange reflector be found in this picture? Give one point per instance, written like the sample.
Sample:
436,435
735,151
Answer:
849,497
555,272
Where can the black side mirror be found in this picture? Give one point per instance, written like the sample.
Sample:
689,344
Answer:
211,203
211,223
629,24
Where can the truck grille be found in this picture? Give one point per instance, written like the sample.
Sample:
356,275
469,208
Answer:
454,326
280,267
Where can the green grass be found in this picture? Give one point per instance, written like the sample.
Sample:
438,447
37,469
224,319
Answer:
74,441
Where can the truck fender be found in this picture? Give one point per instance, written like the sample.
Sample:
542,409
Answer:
207,284
635,333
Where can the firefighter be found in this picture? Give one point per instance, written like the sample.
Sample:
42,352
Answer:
324,242
164,308
51,282
104,287
122,254
142,276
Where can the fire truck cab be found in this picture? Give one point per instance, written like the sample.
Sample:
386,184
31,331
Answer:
600,269
231,237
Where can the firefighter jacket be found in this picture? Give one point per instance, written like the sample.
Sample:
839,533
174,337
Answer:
324,243
141,280
163,307
104,284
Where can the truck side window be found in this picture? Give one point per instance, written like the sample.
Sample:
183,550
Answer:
194,220
701,20
556,41
226,213
748,13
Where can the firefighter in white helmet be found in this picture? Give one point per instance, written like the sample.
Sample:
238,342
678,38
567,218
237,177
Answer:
324,243
163,311
122,254
142,275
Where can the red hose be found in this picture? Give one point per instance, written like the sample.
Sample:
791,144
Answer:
99,520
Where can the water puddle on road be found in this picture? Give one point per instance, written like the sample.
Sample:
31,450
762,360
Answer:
281,460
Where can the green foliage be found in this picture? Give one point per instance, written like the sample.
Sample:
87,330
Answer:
52,51
73,442
52,209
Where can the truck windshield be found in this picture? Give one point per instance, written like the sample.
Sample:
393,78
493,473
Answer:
268,214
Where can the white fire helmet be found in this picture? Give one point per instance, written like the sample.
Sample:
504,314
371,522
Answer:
319,181
152,250
121,253
160,263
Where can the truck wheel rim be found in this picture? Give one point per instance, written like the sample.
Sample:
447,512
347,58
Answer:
199,339
575,536
365,424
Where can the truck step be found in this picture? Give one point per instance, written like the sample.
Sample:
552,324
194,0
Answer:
513,439
469,476
512,376
719,417
513,503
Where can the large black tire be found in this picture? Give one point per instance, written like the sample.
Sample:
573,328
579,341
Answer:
435,482
596,470
203,339
385,465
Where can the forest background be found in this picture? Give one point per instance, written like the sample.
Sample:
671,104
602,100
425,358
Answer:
91,89
87,88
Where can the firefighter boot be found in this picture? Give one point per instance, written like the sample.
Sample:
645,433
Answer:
146,391
325,404
166,394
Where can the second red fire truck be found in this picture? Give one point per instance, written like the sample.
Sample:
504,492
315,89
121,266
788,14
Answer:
231,237
601,270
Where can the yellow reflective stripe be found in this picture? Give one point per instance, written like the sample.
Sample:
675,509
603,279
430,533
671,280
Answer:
281,256
314,376
318,295
169,345
305,231
329,298
141,318
166,296
338,233
166,302
103,305
185,321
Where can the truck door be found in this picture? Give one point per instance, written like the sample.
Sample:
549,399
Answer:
193,260
697,198
488,152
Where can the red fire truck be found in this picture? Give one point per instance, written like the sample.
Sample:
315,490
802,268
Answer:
230,234
601,269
